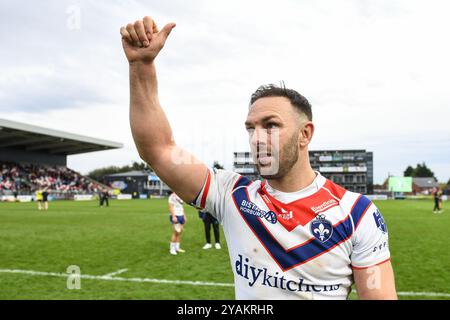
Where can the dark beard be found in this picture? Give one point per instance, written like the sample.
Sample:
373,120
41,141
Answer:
288,158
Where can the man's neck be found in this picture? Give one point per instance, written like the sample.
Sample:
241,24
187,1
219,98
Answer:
298,178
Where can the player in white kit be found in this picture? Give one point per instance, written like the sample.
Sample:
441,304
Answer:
305,244
293,235
178,220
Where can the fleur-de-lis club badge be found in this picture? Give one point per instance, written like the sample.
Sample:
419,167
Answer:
321,228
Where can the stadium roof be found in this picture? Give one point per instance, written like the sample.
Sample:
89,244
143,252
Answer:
133,173
150,175
425,182
33,138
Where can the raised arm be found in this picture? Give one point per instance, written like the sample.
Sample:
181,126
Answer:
181,171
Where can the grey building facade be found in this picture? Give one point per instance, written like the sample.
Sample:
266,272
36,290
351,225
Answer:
352,169
244,165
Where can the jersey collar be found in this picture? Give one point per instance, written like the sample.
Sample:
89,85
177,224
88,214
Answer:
287,197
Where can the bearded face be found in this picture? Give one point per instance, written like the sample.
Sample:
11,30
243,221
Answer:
274,158
274,128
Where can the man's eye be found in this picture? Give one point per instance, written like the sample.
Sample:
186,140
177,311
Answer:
272,126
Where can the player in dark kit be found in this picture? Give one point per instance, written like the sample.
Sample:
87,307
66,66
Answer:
45,195
437,201
209,220
104,195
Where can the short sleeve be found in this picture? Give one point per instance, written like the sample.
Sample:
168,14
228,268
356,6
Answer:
215,192
370,240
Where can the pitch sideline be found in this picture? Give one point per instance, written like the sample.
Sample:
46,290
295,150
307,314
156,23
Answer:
111,277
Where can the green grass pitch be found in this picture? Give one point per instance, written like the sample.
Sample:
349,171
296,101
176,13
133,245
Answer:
134,235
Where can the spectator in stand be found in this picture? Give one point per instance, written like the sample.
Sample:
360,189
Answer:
26,177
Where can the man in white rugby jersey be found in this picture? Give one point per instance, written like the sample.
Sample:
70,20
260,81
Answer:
294,235
178,220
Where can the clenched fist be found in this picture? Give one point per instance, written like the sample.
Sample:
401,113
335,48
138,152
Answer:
142,41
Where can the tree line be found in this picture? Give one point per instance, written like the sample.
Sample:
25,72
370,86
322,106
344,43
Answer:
99,174
421,171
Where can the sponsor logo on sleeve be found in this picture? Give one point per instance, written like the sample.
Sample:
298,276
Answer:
380,221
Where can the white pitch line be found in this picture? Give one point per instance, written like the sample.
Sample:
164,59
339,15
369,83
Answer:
418,294
424,294
108,277
112,274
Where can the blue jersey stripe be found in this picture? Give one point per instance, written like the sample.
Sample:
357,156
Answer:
359,208
242,182
299,255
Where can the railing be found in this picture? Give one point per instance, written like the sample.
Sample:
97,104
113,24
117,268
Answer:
55,194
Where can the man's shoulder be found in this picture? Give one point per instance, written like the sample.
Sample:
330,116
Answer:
335,189
347,199
223,176
231,179
224,172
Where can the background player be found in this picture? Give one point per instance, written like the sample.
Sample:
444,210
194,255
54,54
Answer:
178,220
209,220
39,198
45,195
103,197
437,196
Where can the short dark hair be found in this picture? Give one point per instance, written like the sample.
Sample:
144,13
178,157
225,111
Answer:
296,99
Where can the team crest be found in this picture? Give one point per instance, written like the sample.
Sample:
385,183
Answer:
321,228
380,221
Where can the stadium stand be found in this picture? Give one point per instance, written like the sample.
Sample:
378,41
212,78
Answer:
33,158
24,178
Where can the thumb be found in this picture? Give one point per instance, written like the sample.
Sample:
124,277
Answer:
167,30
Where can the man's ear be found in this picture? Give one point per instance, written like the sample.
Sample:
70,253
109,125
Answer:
306,134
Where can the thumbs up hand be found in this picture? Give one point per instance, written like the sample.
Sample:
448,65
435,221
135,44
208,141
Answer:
142,41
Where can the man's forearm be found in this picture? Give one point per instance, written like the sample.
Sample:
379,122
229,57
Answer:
149,125
179,169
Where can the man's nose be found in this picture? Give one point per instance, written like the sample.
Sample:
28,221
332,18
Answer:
259,138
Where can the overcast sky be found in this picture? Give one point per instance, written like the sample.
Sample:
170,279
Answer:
376,73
